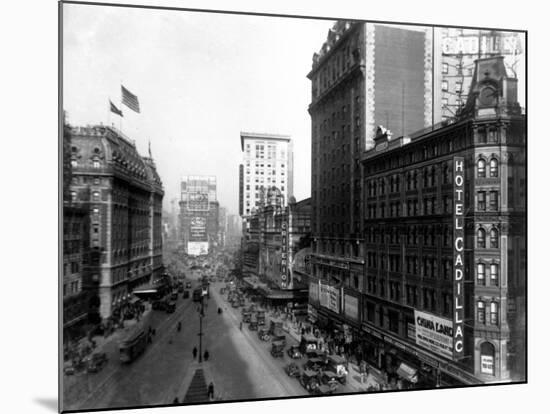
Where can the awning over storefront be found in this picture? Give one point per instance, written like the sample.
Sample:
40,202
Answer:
144,290
407,372
287,294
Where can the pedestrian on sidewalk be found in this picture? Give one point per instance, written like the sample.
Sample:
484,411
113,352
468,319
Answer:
211,391
241,326
206,355
195,352
176,401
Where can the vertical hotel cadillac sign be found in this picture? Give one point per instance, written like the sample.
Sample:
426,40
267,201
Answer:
458,262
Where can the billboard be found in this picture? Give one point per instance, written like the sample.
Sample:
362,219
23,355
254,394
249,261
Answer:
197,201
434,333
458,258
351,306
329,297
313,292
197,248
197,229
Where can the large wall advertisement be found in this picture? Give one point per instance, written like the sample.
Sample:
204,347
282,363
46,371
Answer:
329,297
197,229
458,262
351,307
197,248
434,333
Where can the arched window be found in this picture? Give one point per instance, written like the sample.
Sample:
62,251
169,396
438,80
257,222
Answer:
481,311
493,236
481,238
481,274
481,168
487,355
493,168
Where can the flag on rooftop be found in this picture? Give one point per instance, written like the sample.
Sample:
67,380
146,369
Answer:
129,99
115,109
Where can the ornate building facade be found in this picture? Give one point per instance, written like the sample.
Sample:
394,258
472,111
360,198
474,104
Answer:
121,193
445,246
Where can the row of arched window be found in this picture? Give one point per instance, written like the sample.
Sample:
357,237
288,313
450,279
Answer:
482,168
482,238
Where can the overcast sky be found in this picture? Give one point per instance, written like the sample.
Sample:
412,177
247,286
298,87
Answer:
200,78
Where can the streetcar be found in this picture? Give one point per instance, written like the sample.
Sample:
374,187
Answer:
133,346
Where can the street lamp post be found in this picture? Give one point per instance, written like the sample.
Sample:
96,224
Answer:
201,314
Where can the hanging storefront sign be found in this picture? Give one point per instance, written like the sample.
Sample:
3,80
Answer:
351,307
434,333
458,262
324,295
334,299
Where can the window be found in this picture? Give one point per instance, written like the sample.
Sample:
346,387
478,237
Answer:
494,313
95,195
481,238
445,68
493,238
458,87
493,168
493,200
445,86
481,311
481,274
95,163
494,274
481,202
481,168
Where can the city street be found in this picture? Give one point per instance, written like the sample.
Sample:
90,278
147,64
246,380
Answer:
240,365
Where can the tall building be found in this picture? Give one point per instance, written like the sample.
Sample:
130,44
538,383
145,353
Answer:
199,214
457,50
121,193
364,75
445,225
267,163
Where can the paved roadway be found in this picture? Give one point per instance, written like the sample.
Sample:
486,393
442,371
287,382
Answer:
240,365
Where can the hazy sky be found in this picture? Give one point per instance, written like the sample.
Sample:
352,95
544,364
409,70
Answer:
201,78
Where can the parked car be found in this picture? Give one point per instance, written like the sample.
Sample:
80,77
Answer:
174,296
314,364
294,352
277,349
309,380
170,307
95,361
185,294
293,370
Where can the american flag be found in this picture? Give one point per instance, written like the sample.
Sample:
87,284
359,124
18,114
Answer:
115,109
129,99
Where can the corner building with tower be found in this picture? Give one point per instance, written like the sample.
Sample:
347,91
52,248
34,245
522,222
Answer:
385,210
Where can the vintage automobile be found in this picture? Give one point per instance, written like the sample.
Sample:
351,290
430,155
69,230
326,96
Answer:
280,338
293,370
324,389
180,288
174,296
159,305
338,365
308,343
247,317
314,364
316,353
170,307
331,379
187,285
277,349
68,368
253,326
95,361
185,294
294,352
263,334
309,380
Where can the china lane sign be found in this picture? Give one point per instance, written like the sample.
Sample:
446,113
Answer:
458,263
434,333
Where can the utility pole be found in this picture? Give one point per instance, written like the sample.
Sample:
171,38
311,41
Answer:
201,315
